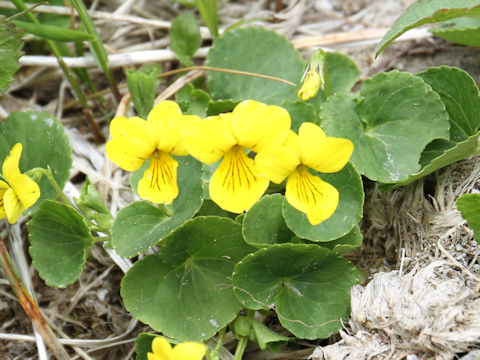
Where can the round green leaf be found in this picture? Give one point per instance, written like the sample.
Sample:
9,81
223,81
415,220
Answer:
44,144
259,51
308,286
186,290
157,222
60,241
349,211
397,115
264,224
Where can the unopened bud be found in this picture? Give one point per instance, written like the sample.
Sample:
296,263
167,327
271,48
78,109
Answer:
312,79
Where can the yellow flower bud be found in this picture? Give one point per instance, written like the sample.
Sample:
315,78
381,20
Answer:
310,86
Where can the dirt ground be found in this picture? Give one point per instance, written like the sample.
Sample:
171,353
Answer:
406,230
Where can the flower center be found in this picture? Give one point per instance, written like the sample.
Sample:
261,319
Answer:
239,169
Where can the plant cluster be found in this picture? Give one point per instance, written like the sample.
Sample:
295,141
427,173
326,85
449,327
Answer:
249,189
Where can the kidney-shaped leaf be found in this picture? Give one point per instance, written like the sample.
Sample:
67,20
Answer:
259,51
308,286
397,115
186,290
60,241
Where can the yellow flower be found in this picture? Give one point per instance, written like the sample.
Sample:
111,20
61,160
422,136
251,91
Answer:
311,148
252,126
135,140
162,350
18,192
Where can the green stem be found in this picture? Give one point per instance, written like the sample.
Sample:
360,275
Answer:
214,352
242,344
48,173
101,239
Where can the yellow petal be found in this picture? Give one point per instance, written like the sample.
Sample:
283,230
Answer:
310,86
132,142
152,356
276,163
235,186
159,181
10,167
311,195
210,138
13,206
26,190
167,121
322,153
162,350
258,126
189,351
3,187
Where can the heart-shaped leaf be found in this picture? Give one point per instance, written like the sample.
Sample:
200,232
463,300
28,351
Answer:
308,286
186,291
397,115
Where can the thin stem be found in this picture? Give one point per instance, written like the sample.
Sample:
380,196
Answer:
186,69
48,173
242,344
214,352
16,16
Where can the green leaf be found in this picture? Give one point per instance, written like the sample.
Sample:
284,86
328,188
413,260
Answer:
142,85
60,241
396,116
469,207
265,337
44,144
185,37
264,224
300,112
54,33
186,291
143,345
349,211
10,45
460,95
158,222
93,207
343,73
193,101
465,31
308,286
428,11
208,11
255,50
346,243
216,107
